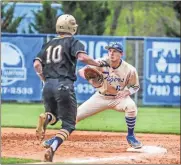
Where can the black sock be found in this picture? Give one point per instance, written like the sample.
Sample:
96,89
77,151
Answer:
49,117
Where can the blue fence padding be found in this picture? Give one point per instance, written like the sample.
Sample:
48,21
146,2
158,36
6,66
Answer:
16,88
18,78
161,71
28,46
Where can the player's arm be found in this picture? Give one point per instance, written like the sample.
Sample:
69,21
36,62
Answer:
37,64
78,51
38,69
83,57
133,83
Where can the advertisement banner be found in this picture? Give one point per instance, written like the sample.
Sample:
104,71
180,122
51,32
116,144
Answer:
18,79
161,72
95,47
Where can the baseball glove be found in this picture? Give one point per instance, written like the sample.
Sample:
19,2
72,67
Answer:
94,77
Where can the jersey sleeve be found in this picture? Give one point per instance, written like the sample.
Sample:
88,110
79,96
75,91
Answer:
40,54
133,82
77,47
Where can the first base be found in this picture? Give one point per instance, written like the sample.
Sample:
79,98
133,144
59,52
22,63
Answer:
148,149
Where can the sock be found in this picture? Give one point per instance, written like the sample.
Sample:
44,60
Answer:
56,143
130,124
49,117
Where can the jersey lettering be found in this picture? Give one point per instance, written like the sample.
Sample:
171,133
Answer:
56,54
112,78
121,78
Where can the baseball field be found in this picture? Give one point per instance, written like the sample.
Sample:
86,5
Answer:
99,139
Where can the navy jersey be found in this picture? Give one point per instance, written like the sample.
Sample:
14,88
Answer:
58,57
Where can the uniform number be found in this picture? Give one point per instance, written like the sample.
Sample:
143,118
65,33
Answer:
118,87
54,54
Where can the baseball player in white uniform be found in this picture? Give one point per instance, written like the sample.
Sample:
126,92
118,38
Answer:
120,81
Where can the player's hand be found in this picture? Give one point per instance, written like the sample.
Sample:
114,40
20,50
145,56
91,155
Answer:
122,94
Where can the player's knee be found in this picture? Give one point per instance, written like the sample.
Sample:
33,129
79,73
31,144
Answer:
131,111
52,119
82,114
80,117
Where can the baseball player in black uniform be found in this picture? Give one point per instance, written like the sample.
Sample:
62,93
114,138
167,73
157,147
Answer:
56,65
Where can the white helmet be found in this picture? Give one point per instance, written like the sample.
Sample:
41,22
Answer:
66,23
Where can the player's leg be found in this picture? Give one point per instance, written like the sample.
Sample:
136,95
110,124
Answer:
130,117
93,105
49,117
130,108
66,112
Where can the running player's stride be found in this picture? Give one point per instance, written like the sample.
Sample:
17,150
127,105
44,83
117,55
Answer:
55,65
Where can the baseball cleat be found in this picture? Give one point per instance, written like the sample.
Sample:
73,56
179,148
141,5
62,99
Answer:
41,127
49,153
133,142
48,143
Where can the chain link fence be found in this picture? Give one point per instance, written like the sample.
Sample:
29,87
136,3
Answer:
135,56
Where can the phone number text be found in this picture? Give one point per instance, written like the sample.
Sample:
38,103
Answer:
17,90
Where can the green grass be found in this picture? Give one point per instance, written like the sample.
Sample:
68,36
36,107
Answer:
5,160
149,120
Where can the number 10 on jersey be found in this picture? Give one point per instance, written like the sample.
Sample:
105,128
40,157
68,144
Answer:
54,54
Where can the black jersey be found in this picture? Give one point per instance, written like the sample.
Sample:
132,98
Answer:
58,57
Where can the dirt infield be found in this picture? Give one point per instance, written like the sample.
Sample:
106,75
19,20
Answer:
91,147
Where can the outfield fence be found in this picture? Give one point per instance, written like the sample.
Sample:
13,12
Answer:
157,60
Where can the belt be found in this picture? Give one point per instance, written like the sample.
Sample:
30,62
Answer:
59,79
106,94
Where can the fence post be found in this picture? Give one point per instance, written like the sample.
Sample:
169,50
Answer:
136,66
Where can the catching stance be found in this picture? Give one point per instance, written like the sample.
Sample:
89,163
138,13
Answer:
55,65
120,80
